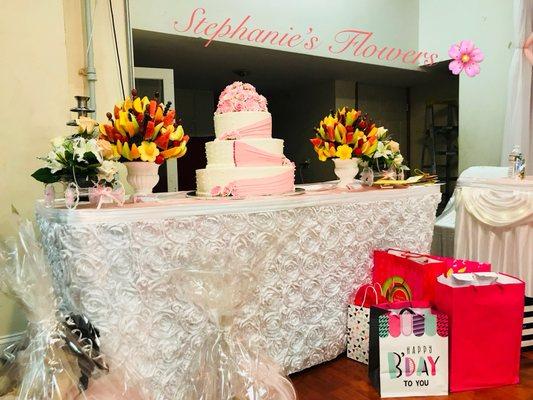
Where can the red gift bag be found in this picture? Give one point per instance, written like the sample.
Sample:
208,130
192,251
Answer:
406,276
485,330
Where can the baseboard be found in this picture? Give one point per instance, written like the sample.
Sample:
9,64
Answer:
8,340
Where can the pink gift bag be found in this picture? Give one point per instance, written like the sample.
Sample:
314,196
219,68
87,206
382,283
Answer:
485,325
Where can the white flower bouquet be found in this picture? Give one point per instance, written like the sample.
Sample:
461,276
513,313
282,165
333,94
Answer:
78,158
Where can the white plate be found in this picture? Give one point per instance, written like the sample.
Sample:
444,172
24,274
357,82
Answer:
317,187
297,191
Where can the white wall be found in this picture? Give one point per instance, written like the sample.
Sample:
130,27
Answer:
33,109
481,99
394,23
43,50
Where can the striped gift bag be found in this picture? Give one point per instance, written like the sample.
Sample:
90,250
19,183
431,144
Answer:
527,329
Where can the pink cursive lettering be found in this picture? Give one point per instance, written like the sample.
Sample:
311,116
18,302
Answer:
358,43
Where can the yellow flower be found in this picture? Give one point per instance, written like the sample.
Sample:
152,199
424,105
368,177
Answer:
344,152
148,151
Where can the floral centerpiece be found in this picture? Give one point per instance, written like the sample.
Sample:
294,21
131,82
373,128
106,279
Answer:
77,159
240,96
143,133
351,139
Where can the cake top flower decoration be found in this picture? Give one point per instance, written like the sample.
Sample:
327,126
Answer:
240,96
465,57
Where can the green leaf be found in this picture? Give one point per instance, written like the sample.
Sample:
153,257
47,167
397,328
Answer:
45,175
90,158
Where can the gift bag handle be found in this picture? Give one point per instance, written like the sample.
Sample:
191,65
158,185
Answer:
408,310
366,291
409,255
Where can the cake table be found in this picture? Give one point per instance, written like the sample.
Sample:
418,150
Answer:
114,264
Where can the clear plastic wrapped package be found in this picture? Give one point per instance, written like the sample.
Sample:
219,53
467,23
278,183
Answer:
61,358
228,365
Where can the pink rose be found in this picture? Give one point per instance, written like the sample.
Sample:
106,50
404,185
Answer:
228,189
394,146
240,97
250,105
215,191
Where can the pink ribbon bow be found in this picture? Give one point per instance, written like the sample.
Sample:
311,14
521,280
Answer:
99,193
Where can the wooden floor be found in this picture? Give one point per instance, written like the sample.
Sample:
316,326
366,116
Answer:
345,379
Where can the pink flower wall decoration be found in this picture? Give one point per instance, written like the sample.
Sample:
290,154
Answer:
465,56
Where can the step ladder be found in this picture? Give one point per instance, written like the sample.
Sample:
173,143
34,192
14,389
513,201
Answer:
440,150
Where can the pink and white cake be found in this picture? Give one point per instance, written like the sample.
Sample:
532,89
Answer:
244,160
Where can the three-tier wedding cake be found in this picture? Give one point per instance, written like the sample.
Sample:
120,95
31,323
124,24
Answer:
244,160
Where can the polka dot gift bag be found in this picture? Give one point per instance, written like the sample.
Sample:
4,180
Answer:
358,320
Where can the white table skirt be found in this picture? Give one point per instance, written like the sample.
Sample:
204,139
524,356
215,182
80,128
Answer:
113,265
494,224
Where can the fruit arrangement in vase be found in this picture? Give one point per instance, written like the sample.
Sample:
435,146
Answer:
142,133
352,139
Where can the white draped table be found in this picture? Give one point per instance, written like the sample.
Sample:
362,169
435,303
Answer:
115,265
494,223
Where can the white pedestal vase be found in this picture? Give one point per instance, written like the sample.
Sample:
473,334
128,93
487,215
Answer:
346,170
142,176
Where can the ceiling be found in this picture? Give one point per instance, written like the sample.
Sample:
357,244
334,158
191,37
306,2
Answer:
212,68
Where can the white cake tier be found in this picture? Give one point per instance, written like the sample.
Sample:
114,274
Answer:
220,153
236,121
207,179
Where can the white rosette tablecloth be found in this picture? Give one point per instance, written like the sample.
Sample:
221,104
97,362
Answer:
494,223
116,265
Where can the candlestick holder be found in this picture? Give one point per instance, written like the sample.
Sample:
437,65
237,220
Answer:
81,108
